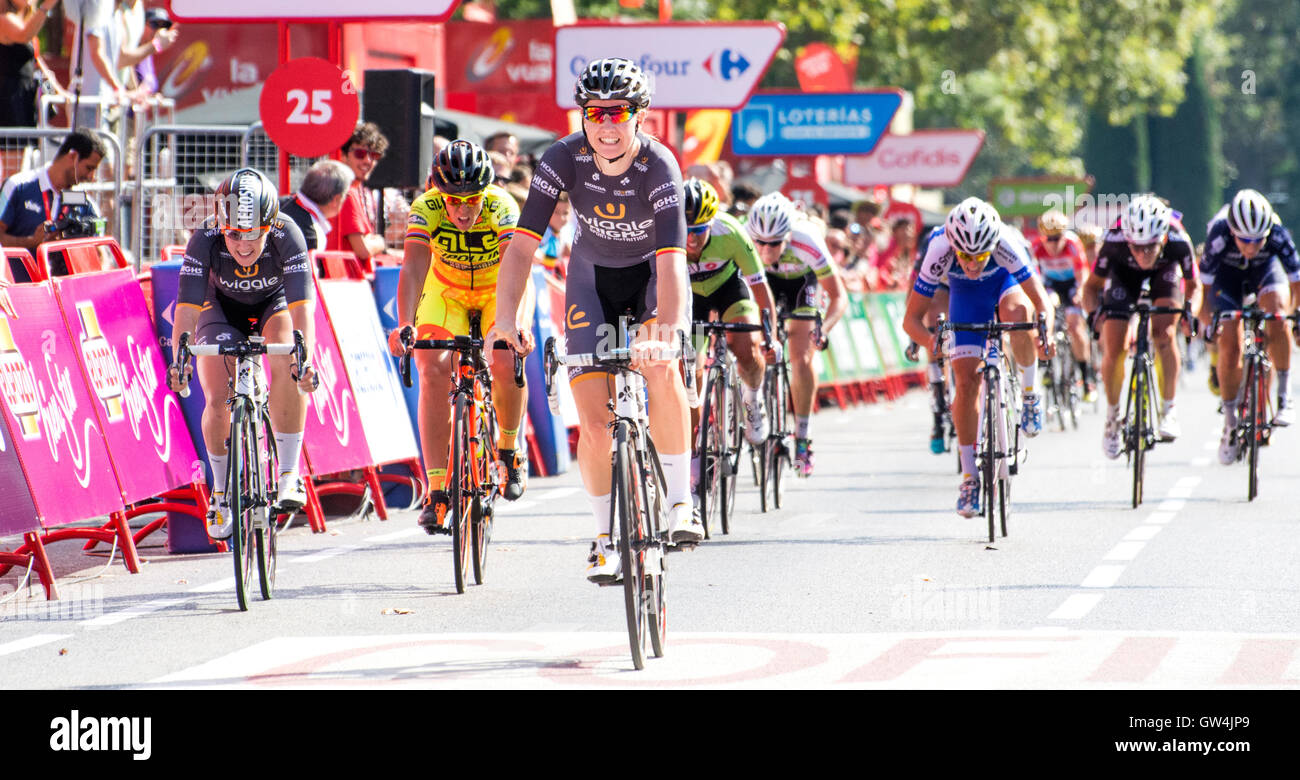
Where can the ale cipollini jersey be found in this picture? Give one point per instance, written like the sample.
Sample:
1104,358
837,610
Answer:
468,259
621,220
208,267
939,266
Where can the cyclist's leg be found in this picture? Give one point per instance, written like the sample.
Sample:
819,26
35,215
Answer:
1275,298
288,406
969,301
750,365
509,400
1114,349
1014,306
439,315
214,375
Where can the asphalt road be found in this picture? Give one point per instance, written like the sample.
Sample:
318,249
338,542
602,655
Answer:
868,578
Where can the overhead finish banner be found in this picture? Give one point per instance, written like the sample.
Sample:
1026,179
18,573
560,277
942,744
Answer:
315,11
690,65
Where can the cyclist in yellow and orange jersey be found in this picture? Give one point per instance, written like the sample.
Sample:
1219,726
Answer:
455,236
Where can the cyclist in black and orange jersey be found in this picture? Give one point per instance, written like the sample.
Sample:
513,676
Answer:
628,254
454,238
247,274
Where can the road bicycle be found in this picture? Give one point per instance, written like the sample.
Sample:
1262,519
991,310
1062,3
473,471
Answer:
1063,378
720,430
475,477
998,451
1142,404
639,512
1255,414
941,397
776,454
253,476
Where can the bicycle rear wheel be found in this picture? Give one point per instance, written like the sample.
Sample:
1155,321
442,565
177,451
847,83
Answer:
655,571
1253,427
241,493
486,492
780,452
628,505
268,480
461,493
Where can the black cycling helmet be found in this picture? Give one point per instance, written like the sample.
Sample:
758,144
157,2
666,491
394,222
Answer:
247,202
700,200
613,78
462,167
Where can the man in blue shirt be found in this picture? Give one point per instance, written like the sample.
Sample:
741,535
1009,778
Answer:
31,201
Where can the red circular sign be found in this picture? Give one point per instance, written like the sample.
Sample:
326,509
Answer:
309,108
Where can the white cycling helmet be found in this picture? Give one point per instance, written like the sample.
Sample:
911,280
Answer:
1250,215
1146,220
973,227
770,218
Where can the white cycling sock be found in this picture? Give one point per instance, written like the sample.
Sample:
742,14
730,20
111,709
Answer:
1165,406
600,507
219,464
1112,412
967,454
677,476
936,375
1229,415
289,448
1284,383
1028,376
751,394
801,426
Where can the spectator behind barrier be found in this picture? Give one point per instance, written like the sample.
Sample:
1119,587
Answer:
319,200
506,144
355,230
32,203
20,60
106,51
743,195
557,241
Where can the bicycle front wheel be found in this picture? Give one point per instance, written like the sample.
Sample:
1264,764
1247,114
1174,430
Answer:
989,469
461,493
485,498
711,422
1138,425
631,545
1254,428
241,494
731,456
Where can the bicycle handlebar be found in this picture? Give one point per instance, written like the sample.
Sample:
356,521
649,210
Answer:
459,344
618,358
253,345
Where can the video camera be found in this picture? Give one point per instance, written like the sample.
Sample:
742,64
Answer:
73,223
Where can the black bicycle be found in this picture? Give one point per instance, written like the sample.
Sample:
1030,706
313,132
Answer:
1063,378
638,512
1255,416
1142,405
720,438
253,476
998,452
475,477
777,452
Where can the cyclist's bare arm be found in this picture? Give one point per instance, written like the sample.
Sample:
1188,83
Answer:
512,281
839,299
416,257
1092,292
187,316
914,319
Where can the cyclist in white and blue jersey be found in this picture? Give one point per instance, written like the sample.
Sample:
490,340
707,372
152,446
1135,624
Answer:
988,274
1248,251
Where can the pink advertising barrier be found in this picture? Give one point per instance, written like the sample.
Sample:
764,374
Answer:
148,442
57,436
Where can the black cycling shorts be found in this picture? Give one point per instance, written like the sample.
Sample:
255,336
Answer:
227,320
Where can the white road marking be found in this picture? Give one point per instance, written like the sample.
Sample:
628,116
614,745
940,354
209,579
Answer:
1160,517
1076,606
1124,551
1103,576
36,640
121,616
392,537
1142,533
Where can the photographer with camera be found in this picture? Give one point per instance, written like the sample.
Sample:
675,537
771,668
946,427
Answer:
37,206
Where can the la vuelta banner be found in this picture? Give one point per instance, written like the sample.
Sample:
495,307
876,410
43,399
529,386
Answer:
141,418
51,412
334,437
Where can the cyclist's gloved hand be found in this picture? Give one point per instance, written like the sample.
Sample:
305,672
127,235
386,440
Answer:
176,379
518,339
307,380
399,339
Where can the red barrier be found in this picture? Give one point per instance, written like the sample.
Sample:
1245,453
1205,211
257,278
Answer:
35,272
84,255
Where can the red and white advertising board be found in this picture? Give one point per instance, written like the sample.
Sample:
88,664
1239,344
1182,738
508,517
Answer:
504,70
926,158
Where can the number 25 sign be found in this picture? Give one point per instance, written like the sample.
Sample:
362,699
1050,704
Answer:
309,107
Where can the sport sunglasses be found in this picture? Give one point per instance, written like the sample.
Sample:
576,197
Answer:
464,200
970,259
616,114
698,230
244,235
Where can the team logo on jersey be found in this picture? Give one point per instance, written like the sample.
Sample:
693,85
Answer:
625,181
595,176
574,319
612,211
246,273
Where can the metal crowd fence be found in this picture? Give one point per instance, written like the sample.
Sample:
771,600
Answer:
28,148
178,169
